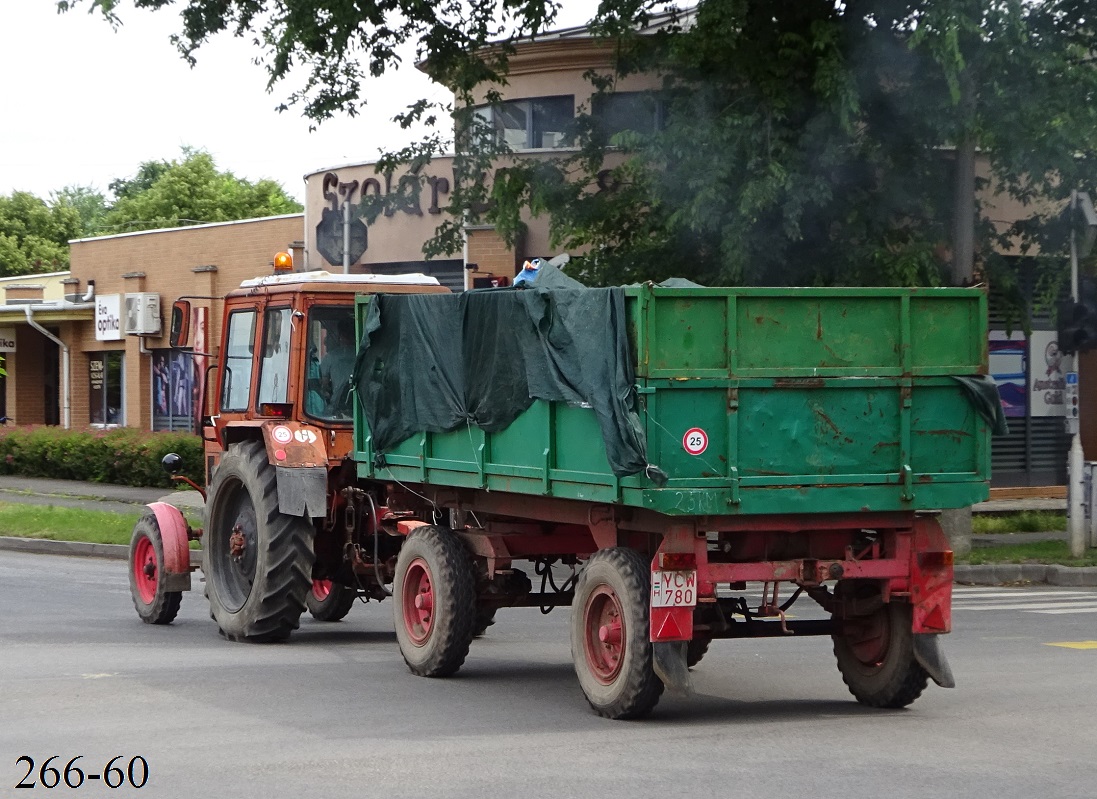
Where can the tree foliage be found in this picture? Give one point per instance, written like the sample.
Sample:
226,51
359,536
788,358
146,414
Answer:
814,141
191,190
34,235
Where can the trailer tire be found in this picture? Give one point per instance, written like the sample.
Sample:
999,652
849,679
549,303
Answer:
146,558
696,649
610,644
329,601
435,602
875,655
485,617
258,561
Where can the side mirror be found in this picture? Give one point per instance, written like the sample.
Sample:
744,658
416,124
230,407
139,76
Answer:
180,323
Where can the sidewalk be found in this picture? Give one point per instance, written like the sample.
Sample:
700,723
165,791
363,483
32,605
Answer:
127,499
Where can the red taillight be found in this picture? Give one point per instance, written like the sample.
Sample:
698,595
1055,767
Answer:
935,560
677,561
280,410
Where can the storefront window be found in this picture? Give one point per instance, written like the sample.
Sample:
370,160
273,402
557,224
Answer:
106,390
173,383
330,348
236,383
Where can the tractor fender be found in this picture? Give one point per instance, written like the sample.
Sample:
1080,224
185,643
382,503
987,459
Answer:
173,538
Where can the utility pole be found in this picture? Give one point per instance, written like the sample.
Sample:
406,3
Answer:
1081,209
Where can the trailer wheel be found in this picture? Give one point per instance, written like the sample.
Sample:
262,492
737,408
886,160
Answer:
609,635
696,649
258,561
328,601
154,605
876,657
435,608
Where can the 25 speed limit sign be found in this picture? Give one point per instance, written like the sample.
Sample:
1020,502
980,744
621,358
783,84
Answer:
695,441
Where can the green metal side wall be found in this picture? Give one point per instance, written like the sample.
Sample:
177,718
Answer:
813,401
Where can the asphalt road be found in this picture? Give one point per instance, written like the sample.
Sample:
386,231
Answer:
335,712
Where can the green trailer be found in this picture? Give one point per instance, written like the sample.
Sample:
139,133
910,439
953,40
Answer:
790,436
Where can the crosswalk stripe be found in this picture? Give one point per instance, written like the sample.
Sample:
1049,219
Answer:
1017,594
1042,606
1076,609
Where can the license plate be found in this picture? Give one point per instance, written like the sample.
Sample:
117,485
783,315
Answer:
673,589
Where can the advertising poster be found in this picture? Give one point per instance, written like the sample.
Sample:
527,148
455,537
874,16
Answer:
1008,359
1048,372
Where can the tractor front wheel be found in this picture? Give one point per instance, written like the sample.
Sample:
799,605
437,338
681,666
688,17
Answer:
154,604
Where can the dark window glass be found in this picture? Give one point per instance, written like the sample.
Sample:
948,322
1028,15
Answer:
535,124
616,113
274,370
105,373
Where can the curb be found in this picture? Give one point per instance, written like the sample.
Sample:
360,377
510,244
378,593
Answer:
45,546
1004,573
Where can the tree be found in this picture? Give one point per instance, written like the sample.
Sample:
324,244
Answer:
90,205
804,142
192,191
34,236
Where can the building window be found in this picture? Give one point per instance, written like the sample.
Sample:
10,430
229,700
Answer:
236,381
274,372
173,384
106,372
635,111
540,123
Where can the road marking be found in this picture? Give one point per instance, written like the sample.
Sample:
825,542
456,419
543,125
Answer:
1017,593
1081,609
1033,606
1075,644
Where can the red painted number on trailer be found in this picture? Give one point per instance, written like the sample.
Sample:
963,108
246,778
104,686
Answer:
673,589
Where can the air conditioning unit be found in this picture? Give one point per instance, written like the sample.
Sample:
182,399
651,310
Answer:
143,314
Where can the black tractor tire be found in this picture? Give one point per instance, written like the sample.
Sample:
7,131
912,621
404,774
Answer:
435,602
146,560
610,643
875,655
330,601
256,584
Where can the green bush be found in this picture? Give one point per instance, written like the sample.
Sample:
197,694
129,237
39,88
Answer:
123,456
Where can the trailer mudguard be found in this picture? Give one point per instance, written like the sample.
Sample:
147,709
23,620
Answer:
176,545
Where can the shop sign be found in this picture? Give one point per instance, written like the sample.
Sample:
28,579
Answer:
108,317
7,339
1048,376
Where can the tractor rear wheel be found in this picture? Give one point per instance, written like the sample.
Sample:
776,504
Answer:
435,607
154,604
875,655
609,635
328,601
258,561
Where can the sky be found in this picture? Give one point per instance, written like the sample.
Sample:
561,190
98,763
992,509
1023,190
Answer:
82,104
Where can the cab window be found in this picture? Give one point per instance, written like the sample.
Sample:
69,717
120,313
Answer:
274,370
330,355
239,343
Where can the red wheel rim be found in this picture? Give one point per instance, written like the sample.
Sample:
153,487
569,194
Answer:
417,599
321,589
605,634
869,637
145,572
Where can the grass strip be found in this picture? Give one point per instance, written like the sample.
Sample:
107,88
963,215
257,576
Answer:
1035,552
56,523
1026,521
